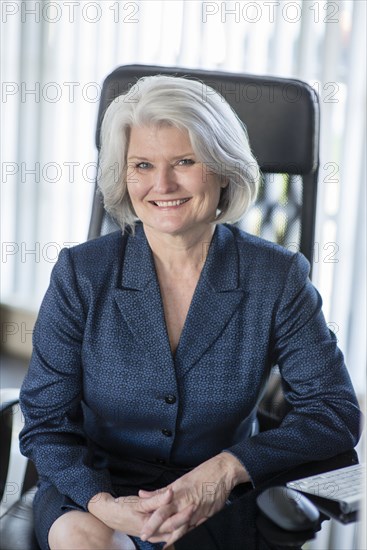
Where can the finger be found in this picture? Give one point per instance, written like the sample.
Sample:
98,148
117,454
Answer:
157,518
175,536
178,520
147,494
201,521
148,505
179,526
143,493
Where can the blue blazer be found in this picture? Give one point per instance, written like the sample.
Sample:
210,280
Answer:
103,386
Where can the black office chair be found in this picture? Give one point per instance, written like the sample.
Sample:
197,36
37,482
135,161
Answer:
282,119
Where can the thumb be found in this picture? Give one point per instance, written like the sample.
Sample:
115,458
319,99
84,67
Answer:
154,499
148,494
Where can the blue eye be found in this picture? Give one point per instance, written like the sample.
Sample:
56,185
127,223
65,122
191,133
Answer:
143,165
185,162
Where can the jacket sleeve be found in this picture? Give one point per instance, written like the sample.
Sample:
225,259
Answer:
325,418
51,394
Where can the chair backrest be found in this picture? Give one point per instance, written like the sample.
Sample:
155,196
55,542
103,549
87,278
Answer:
282,119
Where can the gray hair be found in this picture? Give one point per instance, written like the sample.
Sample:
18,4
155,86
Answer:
218,137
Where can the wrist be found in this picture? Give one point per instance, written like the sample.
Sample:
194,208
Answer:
100,504
236,470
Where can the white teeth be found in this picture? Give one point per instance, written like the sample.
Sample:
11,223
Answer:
170,203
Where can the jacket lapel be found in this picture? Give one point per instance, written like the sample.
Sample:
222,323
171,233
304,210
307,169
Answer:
215,300
139,299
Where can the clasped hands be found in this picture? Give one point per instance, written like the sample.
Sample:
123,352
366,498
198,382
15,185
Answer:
165,515
184,504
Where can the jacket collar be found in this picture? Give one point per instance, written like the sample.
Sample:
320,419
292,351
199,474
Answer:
221,269
138,265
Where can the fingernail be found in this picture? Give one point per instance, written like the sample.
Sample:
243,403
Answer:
143,537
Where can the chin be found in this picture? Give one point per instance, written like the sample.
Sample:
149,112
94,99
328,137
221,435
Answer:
172,230
172,227
176,227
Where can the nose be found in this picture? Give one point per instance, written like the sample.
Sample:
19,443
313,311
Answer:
164,180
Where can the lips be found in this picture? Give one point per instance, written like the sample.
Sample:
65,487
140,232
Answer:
165,204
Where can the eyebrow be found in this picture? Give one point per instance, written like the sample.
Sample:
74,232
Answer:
181,156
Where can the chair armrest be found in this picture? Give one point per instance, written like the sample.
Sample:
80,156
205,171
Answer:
13,476
17,525
8,398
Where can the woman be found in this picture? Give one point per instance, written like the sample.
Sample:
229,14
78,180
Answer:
153,344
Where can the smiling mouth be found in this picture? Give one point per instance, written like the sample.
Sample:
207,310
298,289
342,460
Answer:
165,204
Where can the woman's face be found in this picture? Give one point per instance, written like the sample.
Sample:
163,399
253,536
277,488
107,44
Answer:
170,190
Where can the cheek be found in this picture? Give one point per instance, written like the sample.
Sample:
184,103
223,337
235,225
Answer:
135,188
136,182
214,193
135,199
130,191
209,201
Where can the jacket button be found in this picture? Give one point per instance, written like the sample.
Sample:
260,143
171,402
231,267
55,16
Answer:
170,399
167,433
160,461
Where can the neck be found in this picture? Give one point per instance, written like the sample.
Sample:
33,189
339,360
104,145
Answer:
179,253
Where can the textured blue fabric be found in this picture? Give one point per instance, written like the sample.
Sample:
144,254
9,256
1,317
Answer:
102,366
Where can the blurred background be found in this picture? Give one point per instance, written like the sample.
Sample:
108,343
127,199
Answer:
55,56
